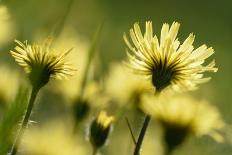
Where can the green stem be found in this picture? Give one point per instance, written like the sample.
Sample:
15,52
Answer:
141,135
131,131
94,151
30,106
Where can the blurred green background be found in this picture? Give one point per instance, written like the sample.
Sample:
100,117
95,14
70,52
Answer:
209,20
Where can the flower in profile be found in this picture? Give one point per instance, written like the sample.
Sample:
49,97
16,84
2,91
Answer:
183,116
52,139
99,129
41,62
125,87
167,63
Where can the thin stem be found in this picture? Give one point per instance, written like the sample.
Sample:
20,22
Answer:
94,151
30,106
130,129
141,135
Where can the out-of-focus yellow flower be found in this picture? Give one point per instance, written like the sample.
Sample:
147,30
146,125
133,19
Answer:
167,63
77,98
71,89
100,128
7,27
182,116
9,83
53,139
124,86
41,63
69,38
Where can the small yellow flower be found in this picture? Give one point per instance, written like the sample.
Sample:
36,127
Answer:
183,116
166,62
41,63
99,129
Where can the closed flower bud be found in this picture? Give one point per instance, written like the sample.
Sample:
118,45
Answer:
99,129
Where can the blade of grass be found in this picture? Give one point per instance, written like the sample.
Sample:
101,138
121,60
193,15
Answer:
60,24
130,129
91,54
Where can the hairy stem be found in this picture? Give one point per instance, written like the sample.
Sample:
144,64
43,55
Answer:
141,135
30,106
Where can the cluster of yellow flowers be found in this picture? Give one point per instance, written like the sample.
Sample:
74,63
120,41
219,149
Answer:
154,68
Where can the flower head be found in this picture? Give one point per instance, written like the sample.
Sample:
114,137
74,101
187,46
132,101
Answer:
167,63
41,63
183,116
100,129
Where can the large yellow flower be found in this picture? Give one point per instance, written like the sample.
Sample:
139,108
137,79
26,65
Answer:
166,62
41,63
183,116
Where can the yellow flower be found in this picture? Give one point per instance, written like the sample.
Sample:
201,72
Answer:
124,86
166,62
100,128
41,63
9,83
182,116
53,139
71,88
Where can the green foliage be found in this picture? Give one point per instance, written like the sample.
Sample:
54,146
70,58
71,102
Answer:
11,120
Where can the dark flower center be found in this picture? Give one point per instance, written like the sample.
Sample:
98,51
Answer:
162,74
175,135
98,134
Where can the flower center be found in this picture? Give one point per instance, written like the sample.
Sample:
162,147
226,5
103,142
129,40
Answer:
162,75
175,135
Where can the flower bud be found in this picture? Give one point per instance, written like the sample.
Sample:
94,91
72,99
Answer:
99,129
